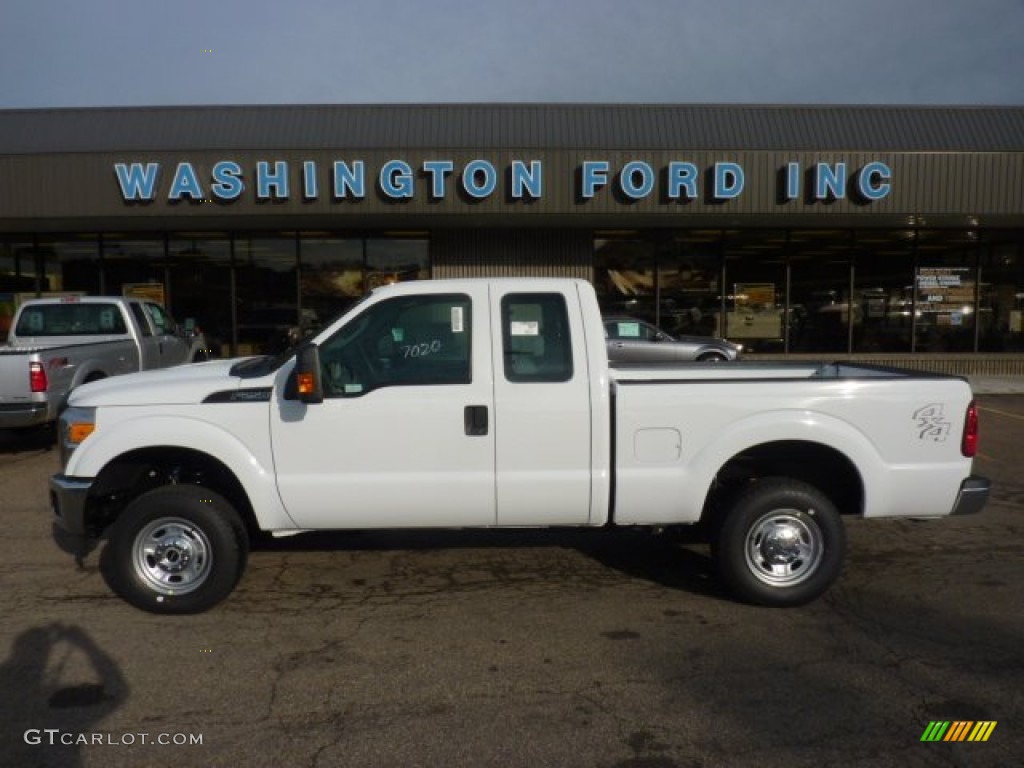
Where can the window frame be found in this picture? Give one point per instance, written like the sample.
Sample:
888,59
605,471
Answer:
542,375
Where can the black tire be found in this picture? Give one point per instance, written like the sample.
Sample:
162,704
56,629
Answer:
780,543
712,357
176,549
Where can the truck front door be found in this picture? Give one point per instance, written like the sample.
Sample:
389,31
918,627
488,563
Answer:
149,342
171,346
405,434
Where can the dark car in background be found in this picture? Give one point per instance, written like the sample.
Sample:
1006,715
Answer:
631,340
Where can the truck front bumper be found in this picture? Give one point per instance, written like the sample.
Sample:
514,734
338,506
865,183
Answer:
973,495
67,502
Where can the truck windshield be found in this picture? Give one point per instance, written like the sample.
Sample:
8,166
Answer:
70,320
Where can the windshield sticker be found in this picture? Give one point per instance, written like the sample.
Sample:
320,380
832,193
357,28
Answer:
629,330
524,328
457,320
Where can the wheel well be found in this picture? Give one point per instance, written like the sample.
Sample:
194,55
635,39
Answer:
132,474
821,466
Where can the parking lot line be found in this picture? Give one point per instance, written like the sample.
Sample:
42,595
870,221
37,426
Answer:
1001,413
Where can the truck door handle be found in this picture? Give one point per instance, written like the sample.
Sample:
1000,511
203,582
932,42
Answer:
475,418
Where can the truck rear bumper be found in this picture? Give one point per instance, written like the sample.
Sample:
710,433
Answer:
974,493
16,415
67,501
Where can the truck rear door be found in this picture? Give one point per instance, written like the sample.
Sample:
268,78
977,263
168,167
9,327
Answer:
543,419
405,434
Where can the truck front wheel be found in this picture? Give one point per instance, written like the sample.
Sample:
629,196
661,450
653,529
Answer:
782,543
176,549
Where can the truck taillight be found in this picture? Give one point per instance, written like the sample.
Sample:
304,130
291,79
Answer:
37,377
969,445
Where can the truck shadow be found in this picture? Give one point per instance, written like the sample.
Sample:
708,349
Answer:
28,440
671,560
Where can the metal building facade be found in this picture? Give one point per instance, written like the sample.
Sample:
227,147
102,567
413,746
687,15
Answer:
740,195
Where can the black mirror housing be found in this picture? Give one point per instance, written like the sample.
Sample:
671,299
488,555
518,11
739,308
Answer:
306,379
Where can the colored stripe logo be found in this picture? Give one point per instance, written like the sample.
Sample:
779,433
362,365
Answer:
958,730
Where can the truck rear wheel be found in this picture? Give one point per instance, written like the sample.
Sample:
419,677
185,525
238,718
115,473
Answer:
176,549
782,543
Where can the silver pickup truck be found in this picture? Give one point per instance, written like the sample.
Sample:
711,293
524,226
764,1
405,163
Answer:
55,344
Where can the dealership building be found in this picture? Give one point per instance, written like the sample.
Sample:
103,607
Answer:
880,233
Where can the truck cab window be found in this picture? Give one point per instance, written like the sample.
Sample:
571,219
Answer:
535,337
405,341
161,320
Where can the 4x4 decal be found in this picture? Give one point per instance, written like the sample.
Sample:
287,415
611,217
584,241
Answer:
932,423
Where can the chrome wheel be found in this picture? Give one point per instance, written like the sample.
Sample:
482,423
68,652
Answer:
172,556
784,548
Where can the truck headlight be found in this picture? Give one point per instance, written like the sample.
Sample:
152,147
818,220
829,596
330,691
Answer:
75,424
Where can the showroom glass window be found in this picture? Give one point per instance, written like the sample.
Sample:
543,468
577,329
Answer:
200,286
17,275
689,270
331,276
946,291
1001,292
266,293
71,263
819,297
396,259
883,292
17,267
625,276
755,282
133,261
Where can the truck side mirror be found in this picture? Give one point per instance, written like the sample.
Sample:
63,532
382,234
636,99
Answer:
306,376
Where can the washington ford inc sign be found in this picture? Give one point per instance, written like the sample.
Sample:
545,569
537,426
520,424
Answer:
477,180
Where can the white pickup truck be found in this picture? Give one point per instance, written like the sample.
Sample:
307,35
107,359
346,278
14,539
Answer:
56,344
490,403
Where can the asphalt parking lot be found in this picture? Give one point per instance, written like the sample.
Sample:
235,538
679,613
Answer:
579,648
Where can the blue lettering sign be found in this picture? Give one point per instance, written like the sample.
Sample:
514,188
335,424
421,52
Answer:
682,178
272,184
728,181
227,182
595,174
349,181
309,186
137,181
873,181
396,180
437,169
636,180
185,183
792,181
479,179
527,182
829,182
